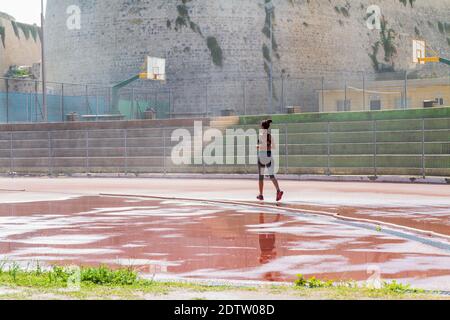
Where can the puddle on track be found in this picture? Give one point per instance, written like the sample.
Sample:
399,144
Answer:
208,241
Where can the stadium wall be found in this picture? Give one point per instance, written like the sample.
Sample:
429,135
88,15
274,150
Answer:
371,143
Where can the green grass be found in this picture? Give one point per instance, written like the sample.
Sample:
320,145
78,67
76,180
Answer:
350,116
312,282
387,288
101,282
105,283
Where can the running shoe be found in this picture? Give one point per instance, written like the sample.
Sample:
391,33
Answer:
280,195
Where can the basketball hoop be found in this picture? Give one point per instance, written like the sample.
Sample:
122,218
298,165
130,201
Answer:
420,54
419,51
156,69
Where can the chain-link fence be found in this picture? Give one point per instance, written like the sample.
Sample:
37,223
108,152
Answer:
21,99
414,147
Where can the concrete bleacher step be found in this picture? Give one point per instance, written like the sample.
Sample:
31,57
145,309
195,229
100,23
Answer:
224,122
146,146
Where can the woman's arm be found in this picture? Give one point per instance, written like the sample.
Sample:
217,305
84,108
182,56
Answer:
271,143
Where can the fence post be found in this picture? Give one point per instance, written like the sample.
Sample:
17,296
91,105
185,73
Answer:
50,153
282,95
171,104
28,107
164,151
286,148
406,91
424,173
203,148
323,94
87,151
11,153
247,157
110,99
364,91
206,101
346,97
7,100
87,100
125,143
62,103
244,89
36,99
96,105
375,148
328,149
133,109
302,91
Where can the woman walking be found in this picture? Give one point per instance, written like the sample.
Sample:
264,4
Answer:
265,160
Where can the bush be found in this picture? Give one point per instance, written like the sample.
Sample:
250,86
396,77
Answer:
100,276
312,282
396,287
105,276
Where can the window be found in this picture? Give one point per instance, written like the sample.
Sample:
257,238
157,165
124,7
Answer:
440,101
375,105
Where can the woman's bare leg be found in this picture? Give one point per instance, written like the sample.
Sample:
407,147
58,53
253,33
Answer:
276,184
261,187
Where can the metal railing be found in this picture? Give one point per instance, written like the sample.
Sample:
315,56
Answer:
419,147
21,99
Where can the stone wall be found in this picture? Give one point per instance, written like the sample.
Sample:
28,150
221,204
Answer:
313,39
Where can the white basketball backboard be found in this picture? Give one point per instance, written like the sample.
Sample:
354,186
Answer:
156,68
419,51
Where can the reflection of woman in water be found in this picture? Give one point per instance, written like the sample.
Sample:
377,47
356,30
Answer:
268,249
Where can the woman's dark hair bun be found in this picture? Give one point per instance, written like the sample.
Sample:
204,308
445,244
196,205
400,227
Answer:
266,124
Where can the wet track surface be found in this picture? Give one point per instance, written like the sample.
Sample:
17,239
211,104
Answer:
188,239
425,218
